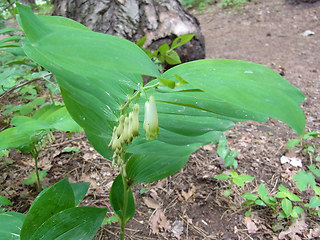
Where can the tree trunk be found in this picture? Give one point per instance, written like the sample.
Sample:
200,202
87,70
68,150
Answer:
160,20
301,1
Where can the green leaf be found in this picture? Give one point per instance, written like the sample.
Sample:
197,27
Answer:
285,193
167,83
154,160
164,48
181,40
4,201
227,192
71,149
49,202
254,90
293,143
309,135
249,196
314,202
262,190
117,200
77,223
172,57
141,41
286,207
222,176
304,179
260,203
80,189
315,170
110,220
316,190
248,213
11,223
95,79
33,177
246,178
239,182
298,209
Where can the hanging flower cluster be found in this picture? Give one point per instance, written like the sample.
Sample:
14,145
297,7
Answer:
126,131
128,126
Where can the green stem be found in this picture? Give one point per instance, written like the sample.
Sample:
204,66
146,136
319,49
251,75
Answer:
35,154
37,173
125,203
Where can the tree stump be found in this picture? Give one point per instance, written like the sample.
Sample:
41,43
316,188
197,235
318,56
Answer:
160,20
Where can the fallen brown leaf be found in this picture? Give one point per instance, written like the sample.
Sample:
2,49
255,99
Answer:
190,193
151,203
251,226
159,222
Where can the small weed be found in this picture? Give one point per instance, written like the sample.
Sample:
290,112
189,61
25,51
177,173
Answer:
231,3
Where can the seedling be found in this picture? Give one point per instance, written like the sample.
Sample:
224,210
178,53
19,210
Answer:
308,147
237,179
166,53
32,134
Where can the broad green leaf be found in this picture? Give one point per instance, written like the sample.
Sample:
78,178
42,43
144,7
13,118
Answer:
286,207
246,87
57,117
51,201
249,196
33,177
154,160
181,40
117,200
6,30
316,190
4,201
315,170
222,177
77,223
260,203
309,135
262,190
54,44
304,179
110,220
293,143
314,202
172,57
141,41
80,190
246,178
11,223
285,193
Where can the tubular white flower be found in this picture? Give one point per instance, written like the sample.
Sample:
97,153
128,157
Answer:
151,124
134,120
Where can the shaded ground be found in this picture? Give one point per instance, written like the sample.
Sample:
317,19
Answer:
191,204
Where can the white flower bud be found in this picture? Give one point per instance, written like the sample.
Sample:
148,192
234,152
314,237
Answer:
126,134
151,124
120,126
134,120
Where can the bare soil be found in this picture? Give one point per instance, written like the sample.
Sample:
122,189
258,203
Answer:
191,204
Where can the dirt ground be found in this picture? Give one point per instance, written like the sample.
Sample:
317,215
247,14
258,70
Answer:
191,204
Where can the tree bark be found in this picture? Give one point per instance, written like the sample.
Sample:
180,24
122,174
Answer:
301,1
160,20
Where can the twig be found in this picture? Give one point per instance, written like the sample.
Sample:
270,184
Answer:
65,142
23,84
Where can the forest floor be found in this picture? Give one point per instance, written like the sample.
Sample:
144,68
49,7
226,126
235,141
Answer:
191,204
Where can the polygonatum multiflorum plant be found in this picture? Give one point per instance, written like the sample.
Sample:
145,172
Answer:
189,105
